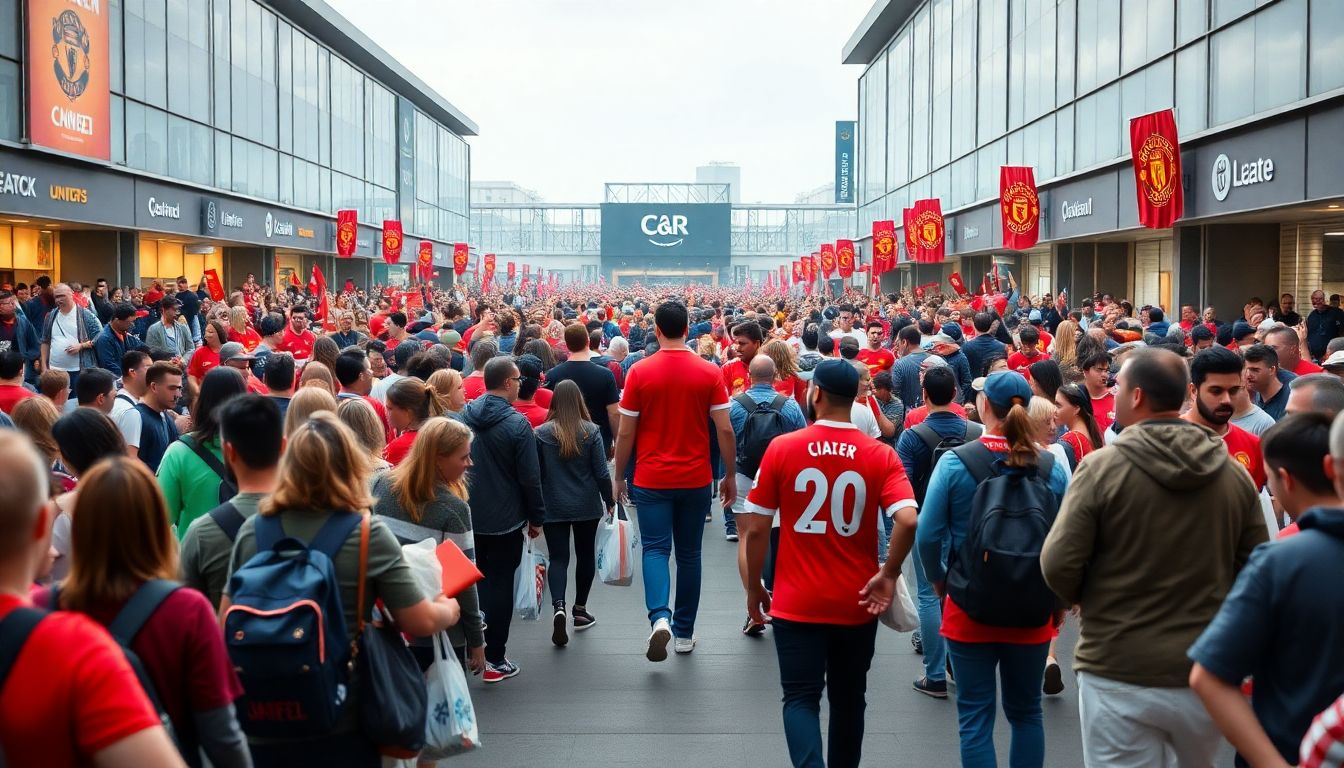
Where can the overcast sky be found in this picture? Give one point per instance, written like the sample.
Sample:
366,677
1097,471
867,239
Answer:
569,94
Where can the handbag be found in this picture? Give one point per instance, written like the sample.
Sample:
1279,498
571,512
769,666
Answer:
616,542
529,581
451,726
901,614
393,702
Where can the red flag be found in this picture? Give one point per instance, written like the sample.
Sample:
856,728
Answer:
1157,169
930,244
844,257
294,280
512,271
489,267
783,276
797,272
425,259
827,260
527,269
908,223
213,285
958,285
884,246
811,262
347,227
391,242
1021,207
460,257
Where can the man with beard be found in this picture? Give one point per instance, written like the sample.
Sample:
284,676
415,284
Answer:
1215,383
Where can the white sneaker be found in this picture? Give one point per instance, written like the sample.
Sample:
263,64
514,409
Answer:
684,644
662,635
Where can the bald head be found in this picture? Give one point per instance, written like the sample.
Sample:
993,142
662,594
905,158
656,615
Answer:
761,370
24,486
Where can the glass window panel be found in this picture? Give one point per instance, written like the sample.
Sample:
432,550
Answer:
134,31
220,31
1232,72
941,70
1066,29
156,141
1017,48
9,10
898,111
9,29
198,59
1146,33
1281,54
1192,92
270,173
223,161
266,92
156,52
874,176
1192,19
1108,123
1085,131
202,153
992,85
241,177
1108,42
11,105
963,77
325,191
179,75
1227,10
1326,46
1064,141
1045,147
284,86
135,135
118,123
324,110
920,99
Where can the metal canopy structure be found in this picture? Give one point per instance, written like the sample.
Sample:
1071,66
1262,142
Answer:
666,193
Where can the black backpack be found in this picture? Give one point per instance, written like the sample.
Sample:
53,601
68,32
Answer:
939,445
765,422
227,490
995,575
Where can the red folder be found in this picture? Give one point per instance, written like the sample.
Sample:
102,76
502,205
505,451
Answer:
458,570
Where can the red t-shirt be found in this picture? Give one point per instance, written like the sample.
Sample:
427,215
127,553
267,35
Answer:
70,694
298,345
249,338
1103,409
877,360
735,377
1046,339
1081,443
534,411
1245,448
1020,362
473,386
918,414
1305,366
202,360
377,323
672,393
543,397
399,447
829,484
795,388
11,394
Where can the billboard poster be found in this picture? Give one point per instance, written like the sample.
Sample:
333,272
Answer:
844,160
665,232
69,102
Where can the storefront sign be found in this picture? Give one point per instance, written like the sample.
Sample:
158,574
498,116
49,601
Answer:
160,209
305,232
666,230
17,184
406,160
1072,210
36,184
69,101
1086,206
69,194
1229,174
1260,168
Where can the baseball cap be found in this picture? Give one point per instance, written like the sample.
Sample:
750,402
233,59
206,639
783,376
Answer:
1003,388
1034,316
1241,329
233,351
1267,324
932,361
837,377
450,339
1335,360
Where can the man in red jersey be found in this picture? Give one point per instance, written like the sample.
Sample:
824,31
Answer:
1215,378
874,356
829,484
1096,368
298,340
747,337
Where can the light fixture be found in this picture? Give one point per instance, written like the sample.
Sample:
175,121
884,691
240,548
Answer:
18,221
1334,234
1332,205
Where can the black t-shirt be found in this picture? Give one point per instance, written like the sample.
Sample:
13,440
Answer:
191,305
7,333
598,386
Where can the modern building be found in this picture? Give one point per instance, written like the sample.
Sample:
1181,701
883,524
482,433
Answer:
506,192
722,173
657,232
953,89
146,139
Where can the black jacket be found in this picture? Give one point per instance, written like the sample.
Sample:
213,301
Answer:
505,477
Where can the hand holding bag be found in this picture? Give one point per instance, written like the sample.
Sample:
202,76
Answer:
529,581
616,542
901,614
450,728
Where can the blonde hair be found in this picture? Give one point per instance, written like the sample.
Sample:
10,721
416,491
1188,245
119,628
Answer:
415,480
238,319
34,416
120,537
781,353
1042,410
304,404
417,398
315,370
324,468
360,417
444,381
1066,343
705,347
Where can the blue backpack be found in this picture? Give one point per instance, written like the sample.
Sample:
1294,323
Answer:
286,634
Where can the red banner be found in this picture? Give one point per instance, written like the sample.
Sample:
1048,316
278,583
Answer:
512,270
844,257
827,260
958,285
884,246
424,260
1157,169
1021,207
813,263
489,268
797,272
347,231
930,243
527,270
908,225
391,242
783,275
213,285
461,255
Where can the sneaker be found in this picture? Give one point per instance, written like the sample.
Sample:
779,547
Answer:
684,645
709,517
752,628
917,640
582,618
662,635
934,688
558,634
730,536
1054,680
495,673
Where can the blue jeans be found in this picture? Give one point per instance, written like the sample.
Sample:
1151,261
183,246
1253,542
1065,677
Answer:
1019,670
930,623
668,517
830,656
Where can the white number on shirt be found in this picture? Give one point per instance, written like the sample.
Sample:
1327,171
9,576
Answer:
808,522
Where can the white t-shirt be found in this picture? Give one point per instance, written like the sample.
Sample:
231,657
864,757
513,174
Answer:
127,418
862,416
64,332
380,387
855,334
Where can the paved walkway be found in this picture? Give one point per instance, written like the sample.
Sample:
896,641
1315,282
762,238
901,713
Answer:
599,702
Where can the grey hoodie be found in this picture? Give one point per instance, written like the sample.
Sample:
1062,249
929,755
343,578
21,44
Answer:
504,478
1149,539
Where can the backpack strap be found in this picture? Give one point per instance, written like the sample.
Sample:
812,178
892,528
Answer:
1045,466
978,460
926,433
14,633
973,431
745,402
363,577
142,605
333,533
204,453
228,518
778,403
269,531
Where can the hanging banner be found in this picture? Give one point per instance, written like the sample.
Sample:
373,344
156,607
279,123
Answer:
958,285
69,86
391,241
908,226
512,270
461,255
844,160
489,267
213,285
812,262
1020,207
1157,169
425,259
347,231
827,260
844,257
783,276
797,272
930,241
527,270
884,247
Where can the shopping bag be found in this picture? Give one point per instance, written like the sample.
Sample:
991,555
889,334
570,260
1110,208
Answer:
529,581
616,542
450,724
425,568
901,614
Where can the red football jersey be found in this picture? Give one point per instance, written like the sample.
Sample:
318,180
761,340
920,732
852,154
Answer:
735,378
1245,448
828,483
1103,409
877,360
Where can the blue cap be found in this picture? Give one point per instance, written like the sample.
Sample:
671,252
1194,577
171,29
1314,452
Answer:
1004,387
1034,316
838,377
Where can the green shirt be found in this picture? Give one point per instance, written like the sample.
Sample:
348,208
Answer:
206,550
189,485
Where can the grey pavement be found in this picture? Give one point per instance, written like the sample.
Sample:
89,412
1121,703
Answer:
599,702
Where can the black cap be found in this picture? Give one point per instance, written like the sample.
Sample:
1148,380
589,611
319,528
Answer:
837,377
123,310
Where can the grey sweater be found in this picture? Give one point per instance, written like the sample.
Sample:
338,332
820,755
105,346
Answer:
446,517
575,489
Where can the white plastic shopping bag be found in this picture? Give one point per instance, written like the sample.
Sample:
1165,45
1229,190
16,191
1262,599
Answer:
424,567
616,543
450,722
901,614
529,581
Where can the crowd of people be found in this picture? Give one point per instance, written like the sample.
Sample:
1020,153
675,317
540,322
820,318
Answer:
1174,487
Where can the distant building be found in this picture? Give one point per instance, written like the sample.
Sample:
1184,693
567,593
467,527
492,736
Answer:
503,192
823,195
722,173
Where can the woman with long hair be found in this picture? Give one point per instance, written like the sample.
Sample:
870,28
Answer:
206,356
427,497
985,657
84,436
325,351
359,416
1065,349
448,383
1045,378
121,543
1082,432
240,331
787,381
325,450
316,374
410,403
35,416
544,352
189,479
306,402
576,487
